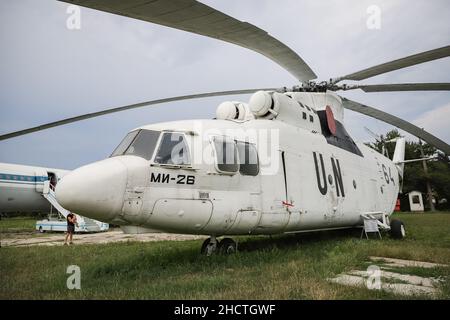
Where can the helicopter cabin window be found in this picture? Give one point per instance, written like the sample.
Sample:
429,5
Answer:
226,155
139,143
308,108
248,159
173,150
304,115
311,119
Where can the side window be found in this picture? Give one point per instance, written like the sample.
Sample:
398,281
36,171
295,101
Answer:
173,149
226,155
248,159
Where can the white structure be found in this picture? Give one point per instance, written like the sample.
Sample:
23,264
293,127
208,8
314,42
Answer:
29,189
416,201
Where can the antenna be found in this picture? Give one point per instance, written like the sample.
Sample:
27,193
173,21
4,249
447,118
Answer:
380,139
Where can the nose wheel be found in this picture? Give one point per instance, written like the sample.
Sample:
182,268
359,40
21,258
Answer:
211,245
398,230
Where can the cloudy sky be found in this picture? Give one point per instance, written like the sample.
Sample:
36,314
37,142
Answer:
49,72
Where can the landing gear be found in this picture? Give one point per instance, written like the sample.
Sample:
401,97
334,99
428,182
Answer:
209,246
227,246
212,245
398,230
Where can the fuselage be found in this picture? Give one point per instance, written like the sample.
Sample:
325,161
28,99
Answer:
303,180
21,187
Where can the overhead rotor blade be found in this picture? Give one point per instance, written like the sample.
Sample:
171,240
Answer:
397,122
128,107
196,17
400,87
397,64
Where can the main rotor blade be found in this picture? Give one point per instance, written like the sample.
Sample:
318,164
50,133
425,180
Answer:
401,87
128,107
397,64
397,122
196,17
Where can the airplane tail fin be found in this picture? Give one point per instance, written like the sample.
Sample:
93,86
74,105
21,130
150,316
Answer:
399,156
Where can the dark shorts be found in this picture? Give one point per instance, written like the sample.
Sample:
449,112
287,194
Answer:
70,228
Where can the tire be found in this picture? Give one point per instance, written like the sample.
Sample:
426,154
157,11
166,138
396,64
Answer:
398,230
41,230
205,244
227,246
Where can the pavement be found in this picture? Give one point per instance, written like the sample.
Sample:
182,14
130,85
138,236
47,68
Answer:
57,239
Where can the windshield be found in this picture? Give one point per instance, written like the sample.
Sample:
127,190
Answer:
139,143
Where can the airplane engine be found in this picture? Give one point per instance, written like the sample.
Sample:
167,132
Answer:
262,105
232,110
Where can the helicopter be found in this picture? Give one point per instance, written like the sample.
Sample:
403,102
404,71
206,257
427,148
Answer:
281,163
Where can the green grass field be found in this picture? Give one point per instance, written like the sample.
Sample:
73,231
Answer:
284,267
17,224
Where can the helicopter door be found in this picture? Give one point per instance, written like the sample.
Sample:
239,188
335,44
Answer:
249,214
275,199
294,186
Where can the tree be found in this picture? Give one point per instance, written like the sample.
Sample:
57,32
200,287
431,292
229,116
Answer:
414,177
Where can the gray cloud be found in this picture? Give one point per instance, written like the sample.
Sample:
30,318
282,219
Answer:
50,72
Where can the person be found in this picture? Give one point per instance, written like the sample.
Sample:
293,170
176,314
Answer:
71,222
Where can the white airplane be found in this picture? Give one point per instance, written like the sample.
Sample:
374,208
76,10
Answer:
283,163
22,187
30,189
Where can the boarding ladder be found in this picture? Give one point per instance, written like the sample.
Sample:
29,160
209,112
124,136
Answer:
49,194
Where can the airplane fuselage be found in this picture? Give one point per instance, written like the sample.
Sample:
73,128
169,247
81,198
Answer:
21,188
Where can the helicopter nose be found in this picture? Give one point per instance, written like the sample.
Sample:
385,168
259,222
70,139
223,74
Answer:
95,190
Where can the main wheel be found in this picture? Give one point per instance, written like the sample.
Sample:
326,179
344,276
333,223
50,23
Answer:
227,246
208,248
397,229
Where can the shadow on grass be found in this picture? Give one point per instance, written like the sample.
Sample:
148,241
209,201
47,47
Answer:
288,241
165,257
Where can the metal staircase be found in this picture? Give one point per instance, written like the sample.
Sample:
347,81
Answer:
84,224
49,194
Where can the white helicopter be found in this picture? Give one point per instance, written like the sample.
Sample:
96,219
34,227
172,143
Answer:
283,163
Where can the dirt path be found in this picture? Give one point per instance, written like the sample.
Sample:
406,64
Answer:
53,239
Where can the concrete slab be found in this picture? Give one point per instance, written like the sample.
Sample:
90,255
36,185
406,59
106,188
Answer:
410,279
397,283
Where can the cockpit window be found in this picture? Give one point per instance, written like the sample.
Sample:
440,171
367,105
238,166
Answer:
226,155
139,143
248,159
173,150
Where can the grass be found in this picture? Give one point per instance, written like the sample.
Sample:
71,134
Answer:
284,267
17,224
